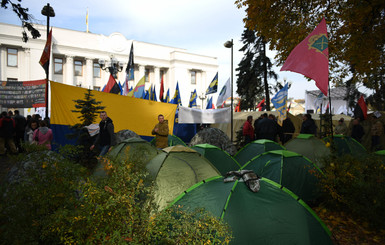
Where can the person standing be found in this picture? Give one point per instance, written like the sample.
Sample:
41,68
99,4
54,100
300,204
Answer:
248,130
106,137
341,128
29,130
357,130
266,128
7,132
161,132
43,135
308,125
288,130
20,122
376,131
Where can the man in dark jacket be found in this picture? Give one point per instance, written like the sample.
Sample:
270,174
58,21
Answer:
266,128
106,136
308,125
20,122
7,132
357,130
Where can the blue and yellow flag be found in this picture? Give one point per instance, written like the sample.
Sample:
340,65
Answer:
193,99
137,92
176,99
153,94
213,87
280,103
167,99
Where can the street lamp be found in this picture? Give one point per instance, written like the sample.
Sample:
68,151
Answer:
230,44
202,97
114,66
49,12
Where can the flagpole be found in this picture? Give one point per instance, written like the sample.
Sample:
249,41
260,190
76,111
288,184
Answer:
330,110
49,12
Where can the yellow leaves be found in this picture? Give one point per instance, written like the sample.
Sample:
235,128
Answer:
44,165
327,144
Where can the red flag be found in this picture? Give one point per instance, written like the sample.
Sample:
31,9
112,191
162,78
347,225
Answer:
361,111
238,107
44,59
311,58
112,86
260,105
161,90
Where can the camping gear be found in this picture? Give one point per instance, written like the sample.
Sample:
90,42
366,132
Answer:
346,145
272,215
255,148
176,169
218,157
128,149
309,146
289,169
172,141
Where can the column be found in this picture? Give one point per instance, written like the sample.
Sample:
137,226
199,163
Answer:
69,78
27,71
157,80
88,83
3,65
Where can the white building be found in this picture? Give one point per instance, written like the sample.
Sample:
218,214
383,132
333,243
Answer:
338,101
75,55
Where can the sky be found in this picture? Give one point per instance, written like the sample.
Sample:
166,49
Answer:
199,26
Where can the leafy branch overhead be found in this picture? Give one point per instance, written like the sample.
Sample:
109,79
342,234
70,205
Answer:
25,18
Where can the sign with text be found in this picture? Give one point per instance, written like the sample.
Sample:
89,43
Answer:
15,94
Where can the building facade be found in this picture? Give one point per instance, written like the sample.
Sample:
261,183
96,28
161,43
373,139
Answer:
75,59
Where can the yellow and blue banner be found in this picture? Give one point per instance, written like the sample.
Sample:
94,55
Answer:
176,99
280,103
142,116
193,99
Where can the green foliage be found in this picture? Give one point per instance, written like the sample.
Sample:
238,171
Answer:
356,185
56,203
88,108
253,70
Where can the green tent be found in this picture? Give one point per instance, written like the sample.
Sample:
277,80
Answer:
290,169
347,145
255,148
309,146
175,169
381,154
127,150
273,215
172,140
218,157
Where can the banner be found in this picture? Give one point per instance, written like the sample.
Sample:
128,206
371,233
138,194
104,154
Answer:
280,103
126,112
22,94
192,115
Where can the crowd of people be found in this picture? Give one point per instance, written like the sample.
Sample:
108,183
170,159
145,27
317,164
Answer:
16,130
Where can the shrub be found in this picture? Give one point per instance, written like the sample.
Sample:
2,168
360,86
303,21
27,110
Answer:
356,185
56,203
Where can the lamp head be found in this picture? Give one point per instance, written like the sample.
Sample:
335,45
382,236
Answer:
228,44
101,62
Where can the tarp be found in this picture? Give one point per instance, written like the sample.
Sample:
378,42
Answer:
273,215
137,115
193,115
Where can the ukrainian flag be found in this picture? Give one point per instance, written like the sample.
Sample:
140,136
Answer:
193,99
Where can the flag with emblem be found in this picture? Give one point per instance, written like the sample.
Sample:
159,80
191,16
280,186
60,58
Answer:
311,58
176,99
167,99
213,87
193,99
280,103
224,94
44,59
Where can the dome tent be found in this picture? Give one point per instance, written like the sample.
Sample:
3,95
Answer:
218,157
289,169
172,141
380,154
309,146
255,148
175,169
273,215
347,145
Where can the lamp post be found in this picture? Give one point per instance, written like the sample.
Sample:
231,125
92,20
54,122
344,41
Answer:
49,12
202,97
114,66
230,44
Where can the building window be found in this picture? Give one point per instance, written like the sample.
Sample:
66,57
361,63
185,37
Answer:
58,65
193,77
96,88
96,69
78,68
12,57
147,75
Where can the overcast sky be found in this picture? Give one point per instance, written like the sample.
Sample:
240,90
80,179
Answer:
199,26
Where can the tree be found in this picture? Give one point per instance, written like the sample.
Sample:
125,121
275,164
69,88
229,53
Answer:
355,29
89,108
26,19
253,71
